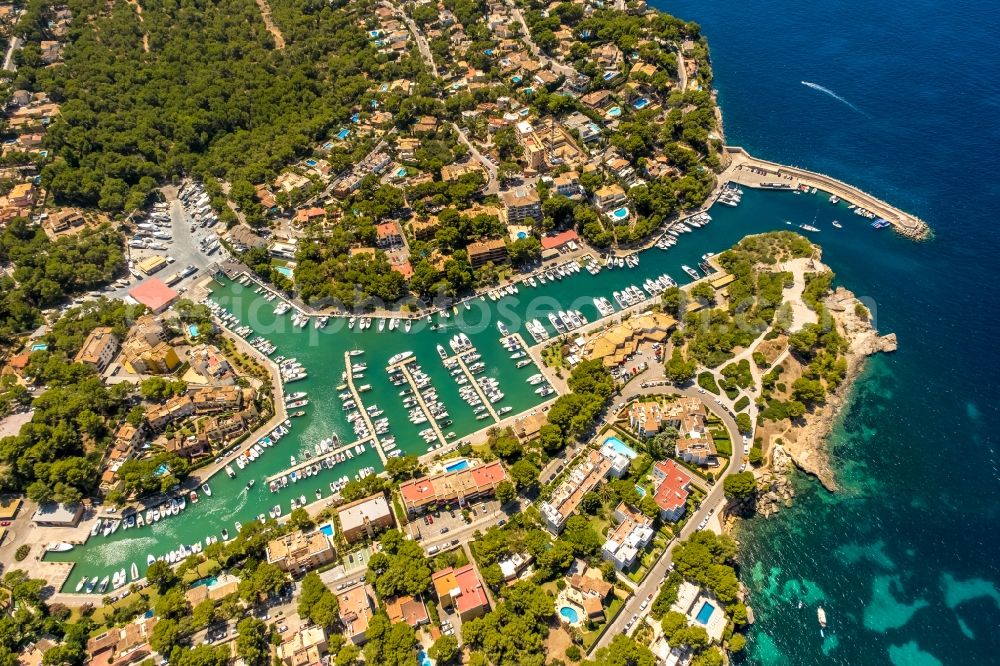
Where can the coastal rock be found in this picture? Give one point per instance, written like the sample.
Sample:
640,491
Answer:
806,444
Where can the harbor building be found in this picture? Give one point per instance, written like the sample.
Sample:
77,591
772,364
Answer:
673,484
365,517
459,486
462,590
98,349
628,538
300,552
357,606
585,477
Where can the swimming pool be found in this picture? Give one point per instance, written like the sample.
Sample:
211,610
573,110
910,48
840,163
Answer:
609,75
401,172
515,79
356,118
705,613
569,614
614,112
311,162
621,447
639,489
208,582
326,529
343,134
284,270
193,330
620,213
521,234
641,103
457,466
328,145
39,346
423,659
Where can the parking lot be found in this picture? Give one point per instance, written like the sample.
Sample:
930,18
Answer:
434,527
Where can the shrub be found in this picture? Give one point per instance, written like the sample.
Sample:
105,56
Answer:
573,653
741,404
22,552
707,382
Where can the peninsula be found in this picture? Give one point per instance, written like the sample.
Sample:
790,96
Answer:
413,338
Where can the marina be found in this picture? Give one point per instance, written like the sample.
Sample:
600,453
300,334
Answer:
327,356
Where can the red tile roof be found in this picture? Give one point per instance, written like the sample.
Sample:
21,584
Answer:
560,239
672,492
154,294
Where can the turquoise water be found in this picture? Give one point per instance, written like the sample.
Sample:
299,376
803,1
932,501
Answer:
423,659
457,466
286,271
705,613
321,351
326,529
570,614
903,558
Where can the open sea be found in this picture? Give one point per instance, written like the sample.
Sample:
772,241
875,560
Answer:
904,559
904,104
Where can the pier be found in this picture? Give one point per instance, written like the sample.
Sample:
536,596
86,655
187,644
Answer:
361,408
750,171
404,367
309,462
475,385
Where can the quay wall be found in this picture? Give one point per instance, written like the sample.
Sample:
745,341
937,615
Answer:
905,223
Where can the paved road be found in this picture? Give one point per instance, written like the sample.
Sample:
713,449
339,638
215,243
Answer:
493,186
422,45
556,66
15,43
713,501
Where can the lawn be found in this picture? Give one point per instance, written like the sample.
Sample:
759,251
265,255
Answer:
611,612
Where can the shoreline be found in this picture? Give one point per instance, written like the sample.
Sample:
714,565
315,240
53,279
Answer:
806,444
904,223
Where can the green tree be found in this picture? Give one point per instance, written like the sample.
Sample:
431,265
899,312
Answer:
252,642
743,422
317,602
506,493
740,486
678,369
445,651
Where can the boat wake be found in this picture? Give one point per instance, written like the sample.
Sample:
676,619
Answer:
822,89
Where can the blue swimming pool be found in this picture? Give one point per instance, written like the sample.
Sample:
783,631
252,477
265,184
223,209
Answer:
614,112
569,614
39,346
285,270
620,213
621,447
639,489
456,466
326,529
311,162
705,612
423,659
515,79
212,580
193,330
356,117
641,103
522,234
401,172
343,134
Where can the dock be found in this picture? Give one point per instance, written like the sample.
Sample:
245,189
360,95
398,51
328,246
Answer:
762,174
309,462
475,385
404,367
361,408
